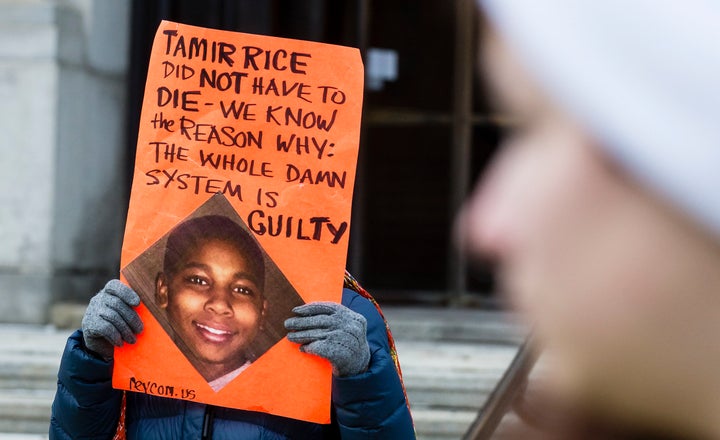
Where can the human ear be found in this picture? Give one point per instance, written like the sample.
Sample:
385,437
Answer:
161,290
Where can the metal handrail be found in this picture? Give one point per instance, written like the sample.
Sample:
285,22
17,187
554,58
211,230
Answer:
506,391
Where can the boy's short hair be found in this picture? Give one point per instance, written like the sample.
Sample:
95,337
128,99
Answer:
191,234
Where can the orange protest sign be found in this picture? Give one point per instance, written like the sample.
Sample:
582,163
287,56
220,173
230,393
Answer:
242,185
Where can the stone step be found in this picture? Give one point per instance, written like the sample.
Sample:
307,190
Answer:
441,424
29,360
29,357
452,375
468,325
25,411
21,436
28,372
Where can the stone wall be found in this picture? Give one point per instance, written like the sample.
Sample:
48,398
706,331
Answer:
62,119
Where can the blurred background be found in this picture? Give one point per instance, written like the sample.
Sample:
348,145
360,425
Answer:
72,74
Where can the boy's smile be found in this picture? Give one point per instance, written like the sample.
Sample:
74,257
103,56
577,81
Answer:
214,333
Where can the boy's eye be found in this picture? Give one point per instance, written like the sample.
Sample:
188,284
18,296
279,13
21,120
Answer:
194,279
242,290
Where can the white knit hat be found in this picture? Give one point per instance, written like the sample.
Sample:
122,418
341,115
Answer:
642,76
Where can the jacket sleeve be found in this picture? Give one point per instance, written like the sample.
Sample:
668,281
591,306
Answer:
372,404
85,405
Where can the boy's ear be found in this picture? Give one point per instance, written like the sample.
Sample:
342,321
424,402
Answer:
161,290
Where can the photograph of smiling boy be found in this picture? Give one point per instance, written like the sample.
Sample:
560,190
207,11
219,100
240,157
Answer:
212,287
215,291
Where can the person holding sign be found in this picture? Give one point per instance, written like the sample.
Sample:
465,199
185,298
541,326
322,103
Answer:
267,128
602,210
368,397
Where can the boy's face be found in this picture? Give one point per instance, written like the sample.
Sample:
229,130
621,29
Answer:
612,279
215,305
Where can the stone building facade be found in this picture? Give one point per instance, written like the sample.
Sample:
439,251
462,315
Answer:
62,174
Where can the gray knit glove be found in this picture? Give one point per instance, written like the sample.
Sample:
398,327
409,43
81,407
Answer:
334,332
110,319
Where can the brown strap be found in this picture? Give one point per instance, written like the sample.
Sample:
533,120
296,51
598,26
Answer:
351,283
120,431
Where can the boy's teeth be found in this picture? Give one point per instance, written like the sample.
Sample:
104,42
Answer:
213,330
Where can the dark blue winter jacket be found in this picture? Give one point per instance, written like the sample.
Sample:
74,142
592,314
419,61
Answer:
368,405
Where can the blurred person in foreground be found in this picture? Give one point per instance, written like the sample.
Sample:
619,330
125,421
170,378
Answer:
602,209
